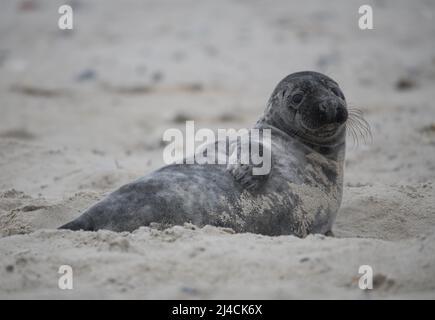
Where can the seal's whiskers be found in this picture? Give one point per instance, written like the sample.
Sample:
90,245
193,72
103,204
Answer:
358,126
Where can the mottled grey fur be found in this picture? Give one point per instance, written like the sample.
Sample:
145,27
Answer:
300,195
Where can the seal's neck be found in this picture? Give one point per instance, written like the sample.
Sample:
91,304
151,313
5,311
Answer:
333,150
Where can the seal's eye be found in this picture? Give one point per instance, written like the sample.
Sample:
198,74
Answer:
297,98
337,92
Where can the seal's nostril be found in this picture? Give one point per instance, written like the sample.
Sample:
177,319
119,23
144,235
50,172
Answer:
322,107
341,115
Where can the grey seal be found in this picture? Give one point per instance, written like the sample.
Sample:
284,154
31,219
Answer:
307,114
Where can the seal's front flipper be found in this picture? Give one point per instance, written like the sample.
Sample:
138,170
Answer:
250,166
243,174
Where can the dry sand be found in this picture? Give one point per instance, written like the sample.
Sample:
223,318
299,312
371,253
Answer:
83,112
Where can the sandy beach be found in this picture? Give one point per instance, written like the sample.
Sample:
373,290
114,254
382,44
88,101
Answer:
83,112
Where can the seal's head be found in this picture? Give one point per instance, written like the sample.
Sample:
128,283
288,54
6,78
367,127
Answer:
309,105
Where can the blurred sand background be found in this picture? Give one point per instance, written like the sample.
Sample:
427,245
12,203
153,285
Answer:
83,112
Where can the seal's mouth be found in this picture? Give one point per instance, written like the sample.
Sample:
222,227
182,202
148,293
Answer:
325,131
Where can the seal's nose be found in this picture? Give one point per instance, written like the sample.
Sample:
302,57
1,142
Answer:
331,111
341,115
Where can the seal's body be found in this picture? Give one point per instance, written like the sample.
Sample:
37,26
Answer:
300,195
